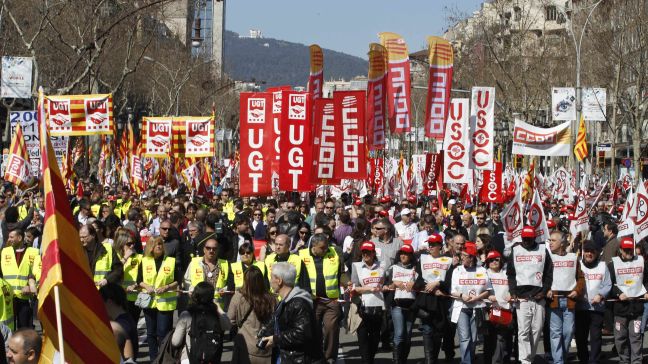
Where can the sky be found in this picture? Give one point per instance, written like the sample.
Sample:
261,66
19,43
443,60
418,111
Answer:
345,25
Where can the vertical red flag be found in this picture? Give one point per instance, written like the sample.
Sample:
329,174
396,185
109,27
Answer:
256,149
296,115
275,157
376,97
88,337
491,190
316,77
398,82
17,169
351,163
433,175
324,143
439,86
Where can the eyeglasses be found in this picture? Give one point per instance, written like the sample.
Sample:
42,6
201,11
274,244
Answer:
210,248
496,260
290,207
257,214
303,232
379,228
164,228
247,253
272,232
328,207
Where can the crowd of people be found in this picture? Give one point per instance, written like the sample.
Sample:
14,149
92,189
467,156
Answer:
282,275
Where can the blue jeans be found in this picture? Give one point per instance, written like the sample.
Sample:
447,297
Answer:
561,330
158,325
467,331
644,318
403,321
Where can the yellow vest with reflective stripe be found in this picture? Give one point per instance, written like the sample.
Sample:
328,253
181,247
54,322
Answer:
293,259
103,264
121,208
330,265
166,301
131,270
16,276
95,210
6,305
239,274
198,274
22,212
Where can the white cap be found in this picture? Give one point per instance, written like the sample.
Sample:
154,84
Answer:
405,211
452,201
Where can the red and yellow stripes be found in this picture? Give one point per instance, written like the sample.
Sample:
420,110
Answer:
527,186
18,165
69,115
86,330
580,148
193,136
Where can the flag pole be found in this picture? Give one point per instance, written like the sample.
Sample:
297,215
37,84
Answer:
59,324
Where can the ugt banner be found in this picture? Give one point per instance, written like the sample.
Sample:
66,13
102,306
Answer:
316,77
491,189
439,86
296,111
156,136
482,125
351,163
79,114
456,143
324,140
377,97
193,136
255,144
276,126
398,82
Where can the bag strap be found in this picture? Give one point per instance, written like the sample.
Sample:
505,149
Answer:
245,317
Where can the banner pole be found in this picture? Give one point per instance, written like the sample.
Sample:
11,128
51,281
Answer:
59,328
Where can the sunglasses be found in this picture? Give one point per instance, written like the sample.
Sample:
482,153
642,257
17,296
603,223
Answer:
272,233
328,207
210,248
247,253
303,232
379,228
164,228
257,214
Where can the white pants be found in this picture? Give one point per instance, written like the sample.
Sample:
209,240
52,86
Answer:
530,319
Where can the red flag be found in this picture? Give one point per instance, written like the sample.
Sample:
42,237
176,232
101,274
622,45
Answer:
398,82
439,86
376,97
275,157
350,162
491,190
324,152
433,163
255,144
296,114
87,334
316,77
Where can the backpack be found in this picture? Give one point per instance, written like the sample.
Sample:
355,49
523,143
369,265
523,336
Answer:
206,338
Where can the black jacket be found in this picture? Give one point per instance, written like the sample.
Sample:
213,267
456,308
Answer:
296,330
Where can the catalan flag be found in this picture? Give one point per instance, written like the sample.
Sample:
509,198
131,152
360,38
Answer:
17,170
527,186
580,149
86,333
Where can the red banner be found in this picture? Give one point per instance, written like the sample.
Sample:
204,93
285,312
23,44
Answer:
255,144
275,132
316,76
482,126
491,189
376,97
439,87
350,141
324,140
433,175
376,176
398,82
296,111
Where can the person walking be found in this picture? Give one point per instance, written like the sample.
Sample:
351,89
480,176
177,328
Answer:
238,269
250,312
123,244
400,279
498,341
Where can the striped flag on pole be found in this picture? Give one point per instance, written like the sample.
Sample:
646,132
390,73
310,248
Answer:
17,170
70,309
580,148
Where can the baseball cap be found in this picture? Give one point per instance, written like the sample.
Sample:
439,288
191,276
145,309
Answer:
435,239
528,232
563,209
551,224
405,211
493,254
357,202
452,201
435,209
470,248
385,199
368,246
626,243
406,248
571,217
590,246
383,213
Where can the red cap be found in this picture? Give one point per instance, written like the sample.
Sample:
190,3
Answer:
357,202
528,232
470,248
368,246
435,209
626,243
411,198
493,254
563,209
406,248
571,216
383,213
551,224
620,208
570,206
435,239
385,199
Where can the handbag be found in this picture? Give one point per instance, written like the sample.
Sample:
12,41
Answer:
500,316
234,329
143,300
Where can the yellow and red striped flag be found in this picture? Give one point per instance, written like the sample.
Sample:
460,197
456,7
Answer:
580,148
527,186
86,333
17,170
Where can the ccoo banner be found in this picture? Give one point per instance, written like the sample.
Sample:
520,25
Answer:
482,125
376,97
439,86
316,76
255,143
296,111
79,114
456,143
532,140
349,120
324,140
398,82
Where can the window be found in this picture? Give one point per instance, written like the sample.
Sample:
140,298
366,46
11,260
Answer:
551,13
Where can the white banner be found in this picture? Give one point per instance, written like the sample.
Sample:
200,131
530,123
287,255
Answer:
594,103
29,125
456,143
16,80
512,221
536,218
418,170
532,140
626,226
581,217
563,103
482,126
641,208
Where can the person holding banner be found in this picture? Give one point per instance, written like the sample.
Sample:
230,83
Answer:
629,282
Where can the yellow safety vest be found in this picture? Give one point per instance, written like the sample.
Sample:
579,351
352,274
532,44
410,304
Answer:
103,264
22,212
238,272
121,208
18,277
131,271
228,209
166,301
331,263
293,259
96,208
198,274
6,305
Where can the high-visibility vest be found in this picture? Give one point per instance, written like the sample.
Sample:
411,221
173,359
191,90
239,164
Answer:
103,264
131,270
18,277
166,301
96,208
198,274
6,305
238,272
330,265
293,259
22,212
121,207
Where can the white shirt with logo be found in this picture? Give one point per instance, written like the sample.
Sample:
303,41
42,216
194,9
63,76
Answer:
434,269
629,276
499,281
468,282
595,279
374,277
406,232
564,272
529,265
404,275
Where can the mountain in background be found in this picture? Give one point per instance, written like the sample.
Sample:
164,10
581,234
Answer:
278,62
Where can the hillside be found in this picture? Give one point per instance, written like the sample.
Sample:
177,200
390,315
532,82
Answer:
283,63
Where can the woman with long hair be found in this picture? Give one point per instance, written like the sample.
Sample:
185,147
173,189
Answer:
251,311
351,244
124,245
236,278
484,246
301,239
271,233
202,316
